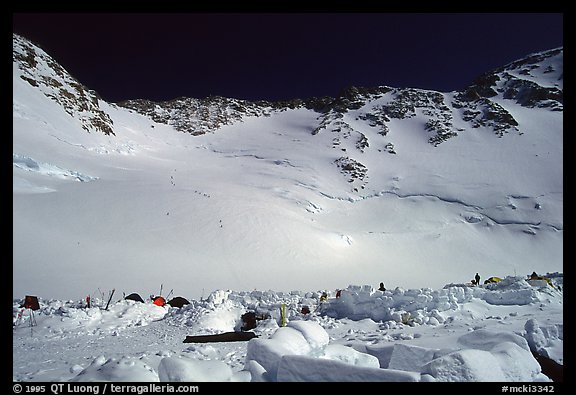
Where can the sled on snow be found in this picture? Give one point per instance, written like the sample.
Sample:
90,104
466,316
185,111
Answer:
221,337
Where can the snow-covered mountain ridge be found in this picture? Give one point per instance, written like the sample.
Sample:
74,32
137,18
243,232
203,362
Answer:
520,81
535,81
396,184
41,71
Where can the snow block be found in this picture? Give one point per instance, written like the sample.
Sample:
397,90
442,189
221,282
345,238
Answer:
512,353
257,373
300,368
484,339
292,340
465,365
383,353
175,369
314,334
268,352
410,358
517,364
350,356
535,337
304,338
506,361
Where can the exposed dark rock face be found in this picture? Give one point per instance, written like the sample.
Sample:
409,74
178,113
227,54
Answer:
196,116
516,81
432,105
353,98
354,170
43,72
529,94
485,112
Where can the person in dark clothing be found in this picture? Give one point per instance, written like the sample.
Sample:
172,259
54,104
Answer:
477,278
382,287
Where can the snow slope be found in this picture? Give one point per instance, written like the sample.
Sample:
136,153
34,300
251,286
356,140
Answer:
414,188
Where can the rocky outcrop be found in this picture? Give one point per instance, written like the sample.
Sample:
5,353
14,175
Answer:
535,81
198,116
41,71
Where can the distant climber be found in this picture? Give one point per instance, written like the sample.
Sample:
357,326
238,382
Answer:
477,278
382,288
324,297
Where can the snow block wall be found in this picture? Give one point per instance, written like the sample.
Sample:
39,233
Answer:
487,356
307,340
424,306
301,368
420,306
301,352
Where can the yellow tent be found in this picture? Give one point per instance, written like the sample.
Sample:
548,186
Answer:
536,277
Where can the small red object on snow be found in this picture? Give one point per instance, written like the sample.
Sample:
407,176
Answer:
159,301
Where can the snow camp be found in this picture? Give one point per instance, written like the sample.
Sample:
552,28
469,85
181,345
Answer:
377,233
504,331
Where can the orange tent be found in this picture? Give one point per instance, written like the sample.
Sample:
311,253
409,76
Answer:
159,301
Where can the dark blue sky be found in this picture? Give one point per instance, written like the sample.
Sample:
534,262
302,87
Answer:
276,56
